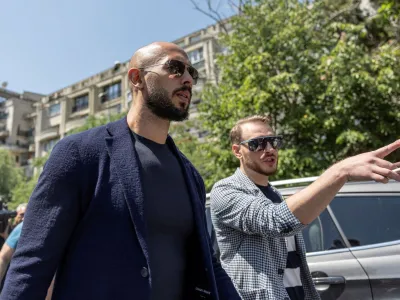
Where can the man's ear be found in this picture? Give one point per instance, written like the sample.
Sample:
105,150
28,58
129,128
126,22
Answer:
236,149
135,79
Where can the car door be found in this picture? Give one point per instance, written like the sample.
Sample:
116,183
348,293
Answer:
371,223
336,272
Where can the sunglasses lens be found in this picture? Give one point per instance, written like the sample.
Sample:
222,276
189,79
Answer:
275,142
278,143
193,72
262,143
253,145
176,67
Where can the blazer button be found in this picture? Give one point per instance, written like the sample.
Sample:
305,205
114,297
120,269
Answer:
144,272
281,271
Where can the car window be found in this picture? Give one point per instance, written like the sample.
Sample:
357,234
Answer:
322,234
208,221
211,232
367,220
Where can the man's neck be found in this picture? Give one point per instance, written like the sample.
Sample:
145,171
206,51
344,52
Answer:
144,123
256,177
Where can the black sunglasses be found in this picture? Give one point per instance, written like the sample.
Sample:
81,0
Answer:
177,68
260,143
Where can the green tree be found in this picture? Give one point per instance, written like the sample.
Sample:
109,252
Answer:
9,175
327,74
185,135
22,191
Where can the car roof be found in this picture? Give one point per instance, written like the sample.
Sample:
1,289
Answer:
351,188
291,186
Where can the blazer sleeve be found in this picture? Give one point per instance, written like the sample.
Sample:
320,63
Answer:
51,216
234,207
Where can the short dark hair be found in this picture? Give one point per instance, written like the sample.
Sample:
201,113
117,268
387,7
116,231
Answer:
236,132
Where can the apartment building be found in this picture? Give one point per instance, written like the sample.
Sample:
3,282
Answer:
108,92
17,123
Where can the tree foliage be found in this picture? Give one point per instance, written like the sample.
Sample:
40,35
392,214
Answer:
9,175
327,73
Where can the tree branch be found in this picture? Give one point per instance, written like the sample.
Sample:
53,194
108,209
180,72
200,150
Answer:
341,12
212,13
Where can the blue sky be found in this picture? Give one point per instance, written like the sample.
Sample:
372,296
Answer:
47,45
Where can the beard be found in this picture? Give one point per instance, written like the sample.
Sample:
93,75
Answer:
161,105
252,165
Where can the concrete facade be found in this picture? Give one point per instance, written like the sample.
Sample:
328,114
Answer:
17,123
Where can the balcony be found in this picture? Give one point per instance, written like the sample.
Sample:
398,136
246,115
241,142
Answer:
49,133
16,148
4,133
77,108
199,64
25,133
3,116
30,115
74,124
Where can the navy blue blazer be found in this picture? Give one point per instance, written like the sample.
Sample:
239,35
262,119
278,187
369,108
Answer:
85,221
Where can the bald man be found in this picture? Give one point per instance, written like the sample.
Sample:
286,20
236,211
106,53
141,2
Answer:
118,212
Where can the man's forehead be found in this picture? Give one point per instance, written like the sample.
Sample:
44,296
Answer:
177,55
255,129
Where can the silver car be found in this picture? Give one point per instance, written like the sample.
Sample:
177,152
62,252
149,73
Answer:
353,247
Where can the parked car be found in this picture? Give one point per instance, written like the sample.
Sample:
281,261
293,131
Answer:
353,247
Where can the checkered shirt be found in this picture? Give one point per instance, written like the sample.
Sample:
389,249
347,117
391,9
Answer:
251,233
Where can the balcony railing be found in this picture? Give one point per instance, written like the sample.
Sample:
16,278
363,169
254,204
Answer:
25,133
15,147
4,132
49,133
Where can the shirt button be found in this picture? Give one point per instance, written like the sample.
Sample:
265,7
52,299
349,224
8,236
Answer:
281,271
144,272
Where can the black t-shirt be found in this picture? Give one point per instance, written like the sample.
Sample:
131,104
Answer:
293,260
168,216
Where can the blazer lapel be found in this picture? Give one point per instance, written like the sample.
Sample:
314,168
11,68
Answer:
124,162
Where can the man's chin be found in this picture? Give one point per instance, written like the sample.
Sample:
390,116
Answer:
269,171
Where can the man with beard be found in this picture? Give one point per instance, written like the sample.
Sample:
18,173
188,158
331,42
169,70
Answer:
118,212
259,234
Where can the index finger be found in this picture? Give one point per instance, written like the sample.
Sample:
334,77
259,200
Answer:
386,150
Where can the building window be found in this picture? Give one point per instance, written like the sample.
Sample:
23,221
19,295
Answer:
80,103
110,92
196,56
54,110
3,115
195,39
49,145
